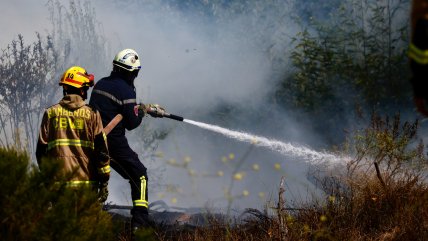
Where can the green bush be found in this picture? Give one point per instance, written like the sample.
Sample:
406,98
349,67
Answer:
34,208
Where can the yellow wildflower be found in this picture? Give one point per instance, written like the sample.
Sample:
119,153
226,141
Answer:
238,176
256,167
224,159
172,161
187,159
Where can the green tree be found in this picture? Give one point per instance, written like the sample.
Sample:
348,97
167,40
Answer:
358,53
35,207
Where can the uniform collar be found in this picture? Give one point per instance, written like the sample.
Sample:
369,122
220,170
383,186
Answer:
117,75
72,101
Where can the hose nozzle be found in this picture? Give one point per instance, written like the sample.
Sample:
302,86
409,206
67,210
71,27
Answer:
155,112
174,117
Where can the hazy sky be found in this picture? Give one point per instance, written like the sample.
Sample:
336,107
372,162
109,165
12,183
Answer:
22,16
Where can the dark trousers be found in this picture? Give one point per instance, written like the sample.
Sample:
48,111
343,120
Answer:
126,162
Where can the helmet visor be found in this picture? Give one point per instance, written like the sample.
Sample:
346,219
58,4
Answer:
89,79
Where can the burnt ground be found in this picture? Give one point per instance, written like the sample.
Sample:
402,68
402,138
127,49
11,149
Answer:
167,216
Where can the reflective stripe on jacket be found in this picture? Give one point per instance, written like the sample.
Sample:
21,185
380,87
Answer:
72,132
111,96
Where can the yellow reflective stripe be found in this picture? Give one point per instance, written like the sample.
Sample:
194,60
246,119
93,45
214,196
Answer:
76,183
418,55
143,188
104,170
104,136
142,202
70,142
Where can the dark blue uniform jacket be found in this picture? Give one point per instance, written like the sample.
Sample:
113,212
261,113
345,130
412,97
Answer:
111,96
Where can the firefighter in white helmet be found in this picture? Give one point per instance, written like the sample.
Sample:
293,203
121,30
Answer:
115,95
72,132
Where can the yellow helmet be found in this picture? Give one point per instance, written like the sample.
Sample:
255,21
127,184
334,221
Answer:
77,77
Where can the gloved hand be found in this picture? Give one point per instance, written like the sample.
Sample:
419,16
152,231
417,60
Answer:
140,110
103,192
155,110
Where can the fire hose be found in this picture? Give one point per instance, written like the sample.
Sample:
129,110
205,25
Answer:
119,117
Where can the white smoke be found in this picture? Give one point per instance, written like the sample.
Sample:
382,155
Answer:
22,17
190,65
182,60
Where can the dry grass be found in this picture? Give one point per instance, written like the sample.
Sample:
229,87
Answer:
381,195
366,210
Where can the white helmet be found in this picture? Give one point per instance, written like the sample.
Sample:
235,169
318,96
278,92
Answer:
127,59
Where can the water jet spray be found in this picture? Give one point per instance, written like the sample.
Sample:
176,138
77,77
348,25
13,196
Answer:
287,149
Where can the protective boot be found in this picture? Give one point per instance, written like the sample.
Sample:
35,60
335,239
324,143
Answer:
141,218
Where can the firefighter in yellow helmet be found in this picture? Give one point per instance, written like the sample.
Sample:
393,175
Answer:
418,54
72,132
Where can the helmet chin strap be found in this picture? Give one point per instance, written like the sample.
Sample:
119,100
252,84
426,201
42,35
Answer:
84,93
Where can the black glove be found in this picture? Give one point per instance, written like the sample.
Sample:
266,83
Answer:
103,192
155,110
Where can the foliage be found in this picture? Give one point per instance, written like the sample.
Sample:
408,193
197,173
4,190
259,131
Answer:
28,72
26,77
35,208
383,192
78,36
387,142
358,52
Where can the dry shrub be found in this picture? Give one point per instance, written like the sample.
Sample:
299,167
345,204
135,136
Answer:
381,194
